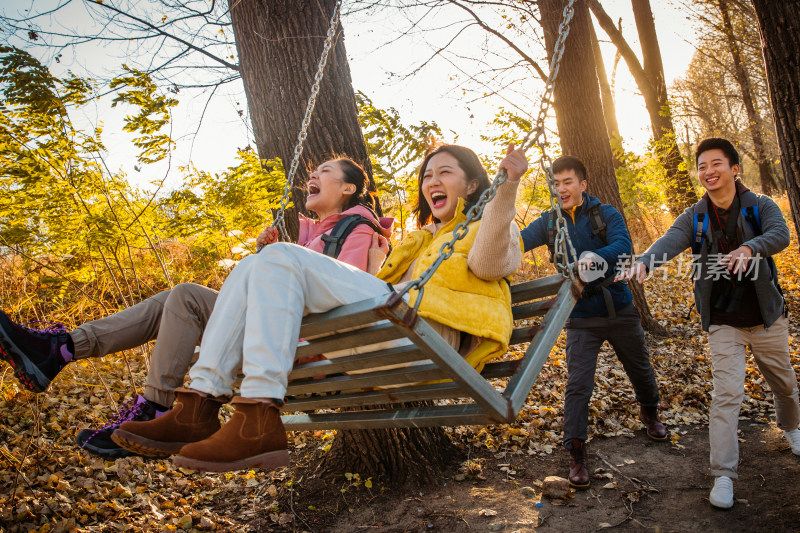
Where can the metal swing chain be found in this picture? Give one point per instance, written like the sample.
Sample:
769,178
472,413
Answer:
562,247
301,137
476,211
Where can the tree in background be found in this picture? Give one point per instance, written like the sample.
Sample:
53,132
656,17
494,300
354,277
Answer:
779,24
607,97
724,91
649,77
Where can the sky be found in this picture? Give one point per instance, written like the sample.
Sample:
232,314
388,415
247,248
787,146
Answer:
381,52
434,96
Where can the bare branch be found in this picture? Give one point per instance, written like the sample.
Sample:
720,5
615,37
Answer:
635,67
166,34
503,38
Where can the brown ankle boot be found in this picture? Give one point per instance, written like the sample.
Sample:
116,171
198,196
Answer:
193,418
578,465
649,417
254,436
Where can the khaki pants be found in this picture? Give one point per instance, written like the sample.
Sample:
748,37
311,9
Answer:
770,349
175,319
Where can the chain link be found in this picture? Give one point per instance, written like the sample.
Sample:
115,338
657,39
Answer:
301,137
562,247
563,242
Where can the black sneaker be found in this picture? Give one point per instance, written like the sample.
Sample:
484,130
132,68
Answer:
98,441
36,355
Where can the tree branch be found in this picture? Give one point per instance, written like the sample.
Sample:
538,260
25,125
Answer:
165,34
528,59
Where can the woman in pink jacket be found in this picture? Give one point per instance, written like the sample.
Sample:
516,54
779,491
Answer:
176,318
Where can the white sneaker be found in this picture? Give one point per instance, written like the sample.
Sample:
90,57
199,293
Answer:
793,437
722,494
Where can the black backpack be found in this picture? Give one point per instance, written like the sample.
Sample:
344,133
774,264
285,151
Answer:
335,239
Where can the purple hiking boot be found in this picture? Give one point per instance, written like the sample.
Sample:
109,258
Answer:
36,355
98,441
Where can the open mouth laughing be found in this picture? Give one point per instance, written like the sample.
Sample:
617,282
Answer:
438,199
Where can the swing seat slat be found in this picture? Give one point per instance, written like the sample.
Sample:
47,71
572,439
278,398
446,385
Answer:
410,393
378,332
416,365
446,415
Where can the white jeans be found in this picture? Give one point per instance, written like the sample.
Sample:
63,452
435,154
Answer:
770,349
255,324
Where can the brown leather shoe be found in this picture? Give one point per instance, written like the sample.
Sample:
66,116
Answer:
254,436
193,418
578,465
649,417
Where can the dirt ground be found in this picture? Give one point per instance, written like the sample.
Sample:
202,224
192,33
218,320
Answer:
638,485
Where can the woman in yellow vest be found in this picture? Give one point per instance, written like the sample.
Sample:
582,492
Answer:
256,319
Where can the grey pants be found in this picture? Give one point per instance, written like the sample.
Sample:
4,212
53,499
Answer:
584,338
175,319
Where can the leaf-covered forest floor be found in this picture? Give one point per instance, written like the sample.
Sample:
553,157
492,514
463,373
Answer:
47,483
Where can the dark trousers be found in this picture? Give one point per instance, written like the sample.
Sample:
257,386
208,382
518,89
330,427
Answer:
584,338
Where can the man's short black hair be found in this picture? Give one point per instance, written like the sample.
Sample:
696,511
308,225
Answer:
570,162
717,143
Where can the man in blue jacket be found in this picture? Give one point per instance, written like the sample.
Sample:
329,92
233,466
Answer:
733,234
605,311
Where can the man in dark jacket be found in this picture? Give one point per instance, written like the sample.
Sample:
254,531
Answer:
733,234
604,312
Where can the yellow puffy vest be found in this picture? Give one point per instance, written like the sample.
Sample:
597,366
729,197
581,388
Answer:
454,296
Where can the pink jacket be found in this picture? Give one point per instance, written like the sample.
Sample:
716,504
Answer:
355,250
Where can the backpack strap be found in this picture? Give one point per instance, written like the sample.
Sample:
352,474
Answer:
699,226
749,206
598,223
335,239
549,223
602,288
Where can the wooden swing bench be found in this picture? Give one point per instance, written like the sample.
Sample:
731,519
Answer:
427,369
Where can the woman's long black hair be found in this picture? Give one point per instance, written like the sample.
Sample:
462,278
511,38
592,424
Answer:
355,174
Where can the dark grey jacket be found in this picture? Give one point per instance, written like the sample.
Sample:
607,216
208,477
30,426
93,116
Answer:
775,238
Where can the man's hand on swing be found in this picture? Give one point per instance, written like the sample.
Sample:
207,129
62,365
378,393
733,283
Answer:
377,253
268,236
515,163
637,271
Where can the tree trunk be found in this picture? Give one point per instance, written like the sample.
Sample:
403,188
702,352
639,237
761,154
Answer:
279,43
680,191
753,117
394,456
579,115
607,96
779,24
